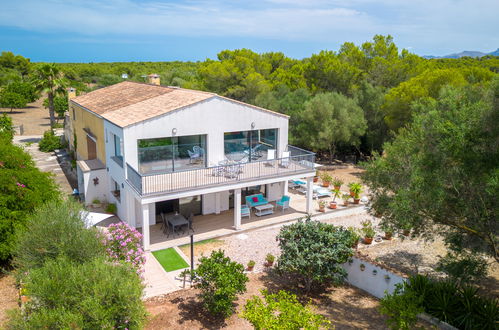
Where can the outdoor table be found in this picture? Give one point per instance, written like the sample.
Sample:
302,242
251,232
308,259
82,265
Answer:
262,210
178,220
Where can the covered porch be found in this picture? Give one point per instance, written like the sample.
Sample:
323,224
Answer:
217,225
224,221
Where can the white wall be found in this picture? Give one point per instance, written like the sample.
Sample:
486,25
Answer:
375,284
115,171
212,117
92,191
215,203
274,191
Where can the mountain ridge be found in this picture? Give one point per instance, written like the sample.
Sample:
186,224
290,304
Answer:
468,53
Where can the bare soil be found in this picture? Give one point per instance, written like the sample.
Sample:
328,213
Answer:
201,248
345,306
34,118
8,296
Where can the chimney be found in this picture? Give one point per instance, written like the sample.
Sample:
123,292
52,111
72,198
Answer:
71,93
153,79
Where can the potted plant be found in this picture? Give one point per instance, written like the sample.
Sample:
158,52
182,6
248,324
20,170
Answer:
388,229
96,203
269,259
316,177
355,236
345,198
368,231
111,208
355,190
337,182
406,230
326,179
322,206
336,194
251,265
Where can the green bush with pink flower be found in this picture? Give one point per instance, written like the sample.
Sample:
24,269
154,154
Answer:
123,244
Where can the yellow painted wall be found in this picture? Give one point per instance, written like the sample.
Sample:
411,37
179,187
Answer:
88,120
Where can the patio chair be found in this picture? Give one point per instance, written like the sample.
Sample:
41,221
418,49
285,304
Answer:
245,211
195,155
165,226
284,202
270,157
285,159
255,152
232,171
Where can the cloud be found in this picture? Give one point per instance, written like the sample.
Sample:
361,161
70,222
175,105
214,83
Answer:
422,24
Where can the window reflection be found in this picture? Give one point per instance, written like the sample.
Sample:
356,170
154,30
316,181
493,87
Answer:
172,153
249,146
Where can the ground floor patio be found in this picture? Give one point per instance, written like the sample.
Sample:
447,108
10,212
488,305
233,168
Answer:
218,225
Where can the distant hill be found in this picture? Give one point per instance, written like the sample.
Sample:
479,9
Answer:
468,53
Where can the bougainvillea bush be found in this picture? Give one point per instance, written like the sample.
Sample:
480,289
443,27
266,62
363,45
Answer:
123,244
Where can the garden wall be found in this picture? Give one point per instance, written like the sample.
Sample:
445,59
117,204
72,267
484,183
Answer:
373,279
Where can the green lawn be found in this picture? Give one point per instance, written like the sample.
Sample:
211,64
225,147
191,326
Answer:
170,259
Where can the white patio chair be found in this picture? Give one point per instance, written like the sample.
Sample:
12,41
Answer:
270,157
285,159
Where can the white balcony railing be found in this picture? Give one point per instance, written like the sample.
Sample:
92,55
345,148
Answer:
299,161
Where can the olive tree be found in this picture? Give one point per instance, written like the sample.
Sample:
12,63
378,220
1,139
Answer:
329,120
441,174
312,252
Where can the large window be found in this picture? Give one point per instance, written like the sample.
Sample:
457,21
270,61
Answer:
172,153
248,146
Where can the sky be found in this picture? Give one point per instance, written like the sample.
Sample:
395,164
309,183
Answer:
194,30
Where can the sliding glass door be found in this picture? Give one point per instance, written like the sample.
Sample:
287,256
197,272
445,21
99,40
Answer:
249,146
171,154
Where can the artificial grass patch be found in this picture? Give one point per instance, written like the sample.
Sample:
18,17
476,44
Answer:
170,259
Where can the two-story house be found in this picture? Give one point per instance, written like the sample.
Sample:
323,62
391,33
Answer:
152,149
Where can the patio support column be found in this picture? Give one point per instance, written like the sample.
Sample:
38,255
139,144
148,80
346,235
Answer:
285,189
237,209
145,226
310,194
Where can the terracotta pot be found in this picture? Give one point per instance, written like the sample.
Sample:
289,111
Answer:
250,269
388,236
337,187
356,200
368,240
345,203
316,178
406,232
322,209
325,184
333,205
269,264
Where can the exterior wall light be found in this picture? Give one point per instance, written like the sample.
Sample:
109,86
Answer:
174,131
253,125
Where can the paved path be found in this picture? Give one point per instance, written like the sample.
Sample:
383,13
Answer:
54,162
156,279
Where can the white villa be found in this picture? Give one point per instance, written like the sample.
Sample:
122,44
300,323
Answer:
155,150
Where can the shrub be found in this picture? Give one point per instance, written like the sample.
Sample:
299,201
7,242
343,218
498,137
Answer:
123,244
220,281
23,188
6,127
460,306
56,229
93,295
111,208
282,311
401,309
313,251
50,142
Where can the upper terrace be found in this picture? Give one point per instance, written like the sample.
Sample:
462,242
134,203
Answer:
299,162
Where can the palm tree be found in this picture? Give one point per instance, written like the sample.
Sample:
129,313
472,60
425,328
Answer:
48,78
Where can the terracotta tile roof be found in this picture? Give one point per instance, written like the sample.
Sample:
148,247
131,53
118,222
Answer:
118,96
135,113
128,103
